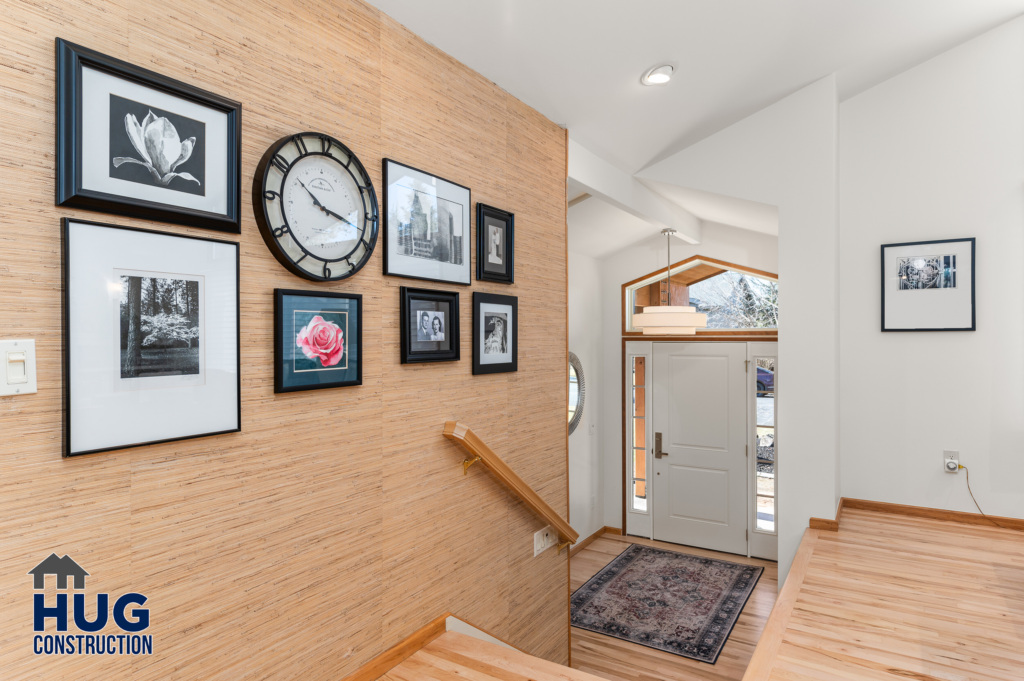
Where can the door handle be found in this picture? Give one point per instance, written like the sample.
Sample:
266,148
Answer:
657,446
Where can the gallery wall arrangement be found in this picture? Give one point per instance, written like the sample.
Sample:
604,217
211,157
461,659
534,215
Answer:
260,493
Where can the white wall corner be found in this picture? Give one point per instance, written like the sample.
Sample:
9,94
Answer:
600,178
786,155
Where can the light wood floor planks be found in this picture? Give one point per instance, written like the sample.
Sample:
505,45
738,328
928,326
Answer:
457,657
619,660
891,597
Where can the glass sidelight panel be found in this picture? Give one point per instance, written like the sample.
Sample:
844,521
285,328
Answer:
638,463
764,491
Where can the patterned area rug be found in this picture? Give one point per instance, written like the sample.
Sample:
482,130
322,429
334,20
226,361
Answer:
682,604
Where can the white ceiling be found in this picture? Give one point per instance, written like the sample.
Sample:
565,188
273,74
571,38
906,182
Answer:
726,210
578,62
598,229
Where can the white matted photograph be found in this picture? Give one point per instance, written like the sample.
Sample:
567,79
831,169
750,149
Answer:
134,142
495,333
928,286
151,350
426,226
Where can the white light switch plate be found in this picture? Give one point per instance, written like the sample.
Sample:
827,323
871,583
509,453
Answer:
17,377
544,540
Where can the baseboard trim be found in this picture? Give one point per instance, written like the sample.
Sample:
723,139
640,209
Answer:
916,512
586,542
404,649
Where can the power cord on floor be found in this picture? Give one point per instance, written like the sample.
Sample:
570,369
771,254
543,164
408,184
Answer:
975,500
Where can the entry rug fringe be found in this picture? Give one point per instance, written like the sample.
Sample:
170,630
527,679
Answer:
682,604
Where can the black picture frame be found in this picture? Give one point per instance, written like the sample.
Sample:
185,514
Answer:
70,59
485,214
390,267
283,379
973,325
67,338
411,353
480,363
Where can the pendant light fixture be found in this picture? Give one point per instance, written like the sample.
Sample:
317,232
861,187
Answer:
670,320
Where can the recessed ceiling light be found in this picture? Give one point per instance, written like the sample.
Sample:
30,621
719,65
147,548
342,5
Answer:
658,75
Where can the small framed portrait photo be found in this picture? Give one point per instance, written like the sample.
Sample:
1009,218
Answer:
495,333
430,325
151,337
318,339
495,244
928,286
137,143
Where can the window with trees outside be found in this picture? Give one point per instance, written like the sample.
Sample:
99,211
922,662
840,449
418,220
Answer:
733,298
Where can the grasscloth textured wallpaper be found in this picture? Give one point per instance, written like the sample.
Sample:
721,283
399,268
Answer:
337,522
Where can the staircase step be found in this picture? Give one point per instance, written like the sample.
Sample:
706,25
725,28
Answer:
454,656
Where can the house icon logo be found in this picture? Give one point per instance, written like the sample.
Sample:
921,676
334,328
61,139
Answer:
62,567
51,624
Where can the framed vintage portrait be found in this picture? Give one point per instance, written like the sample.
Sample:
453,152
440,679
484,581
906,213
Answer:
151,335
318,340
136,143
430,325
495,244
426,226
495,333
928,286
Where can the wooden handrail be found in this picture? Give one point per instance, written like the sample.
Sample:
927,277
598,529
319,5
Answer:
464,435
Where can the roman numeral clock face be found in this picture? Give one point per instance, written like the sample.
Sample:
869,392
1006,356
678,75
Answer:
315,207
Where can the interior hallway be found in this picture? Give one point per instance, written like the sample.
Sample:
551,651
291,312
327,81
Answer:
615,659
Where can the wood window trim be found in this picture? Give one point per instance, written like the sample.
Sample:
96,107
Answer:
720,335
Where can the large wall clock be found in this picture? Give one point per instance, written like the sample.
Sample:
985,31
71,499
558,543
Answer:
315,206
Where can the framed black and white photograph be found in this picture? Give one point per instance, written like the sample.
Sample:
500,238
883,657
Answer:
495,333
318,340
495,244
426,226
151,336
136,143
430,325
928,286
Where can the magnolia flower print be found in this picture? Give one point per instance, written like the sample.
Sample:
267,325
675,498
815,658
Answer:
158,144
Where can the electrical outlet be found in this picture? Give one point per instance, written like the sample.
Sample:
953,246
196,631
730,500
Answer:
593,501
951,461
544,540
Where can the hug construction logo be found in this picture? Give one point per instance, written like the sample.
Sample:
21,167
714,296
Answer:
88,641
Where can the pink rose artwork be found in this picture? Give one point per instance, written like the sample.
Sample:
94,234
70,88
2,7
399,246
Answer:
322,340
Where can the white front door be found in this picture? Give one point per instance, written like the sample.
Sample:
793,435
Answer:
700,472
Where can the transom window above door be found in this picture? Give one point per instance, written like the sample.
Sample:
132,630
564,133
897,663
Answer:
736,299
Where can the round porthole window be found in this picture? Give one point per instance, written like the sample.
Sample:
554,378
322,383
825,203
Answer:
577,389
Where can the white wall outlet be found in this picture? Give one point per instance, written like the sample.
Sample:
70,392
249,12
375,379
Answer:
951,461
544,540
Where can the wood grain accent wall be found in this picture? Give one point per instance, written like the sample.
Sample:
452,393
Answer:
337,522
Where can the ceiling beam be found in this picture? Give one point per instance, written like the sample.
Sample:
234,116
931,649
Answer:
602,179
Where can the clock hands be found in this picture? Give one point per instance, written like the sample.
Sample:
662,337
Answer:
321,206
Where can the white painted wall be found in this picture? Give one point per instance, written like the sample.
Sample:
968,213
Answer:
934,153
785,155
721,242
586,502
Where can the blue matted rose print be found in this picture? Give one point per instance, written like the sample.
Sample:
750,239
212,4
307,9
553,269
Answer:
318,339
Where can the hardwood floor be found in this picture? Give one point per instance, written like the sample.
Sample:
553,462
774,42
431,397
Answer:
614,659
892,597
457,657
